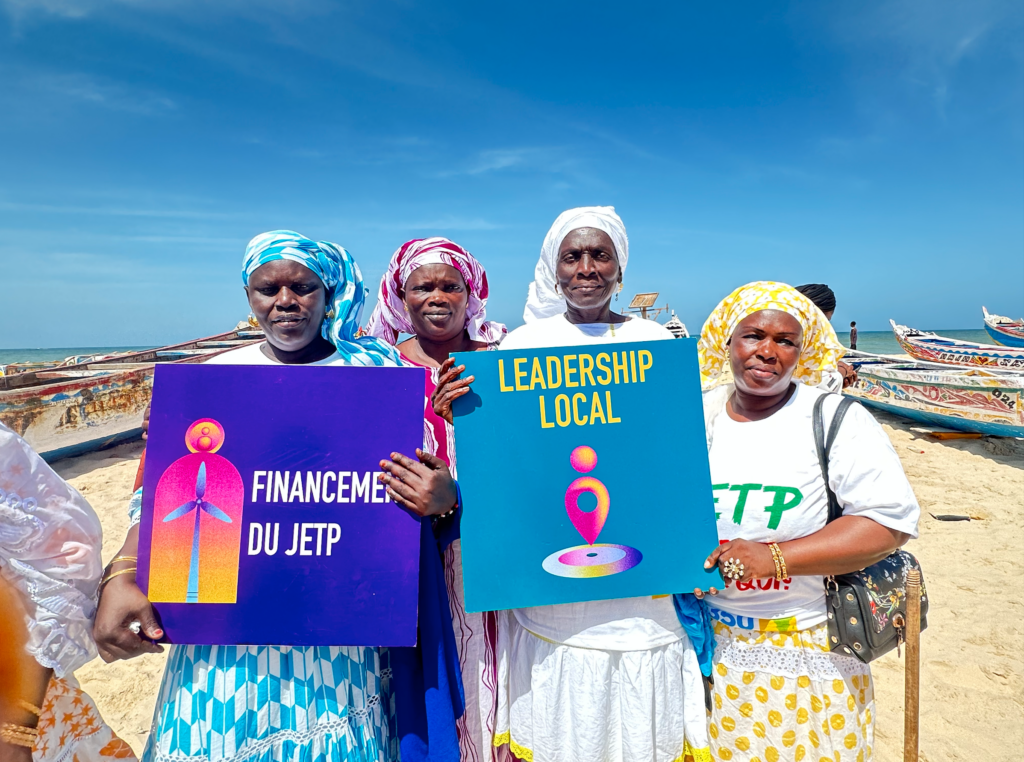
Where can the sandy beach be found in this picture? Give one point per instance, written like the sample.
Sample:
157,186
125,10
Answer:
972,663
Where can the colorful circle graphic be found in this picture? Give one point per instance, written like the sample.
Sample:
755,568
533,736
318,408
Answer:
585,561
205,435
583,459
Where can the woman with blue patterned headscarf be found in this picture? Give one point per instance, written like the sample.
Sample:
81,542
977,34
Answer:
308,296
315,704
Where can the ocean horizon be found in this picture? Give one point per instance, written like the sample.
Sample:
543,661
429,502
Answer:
878,342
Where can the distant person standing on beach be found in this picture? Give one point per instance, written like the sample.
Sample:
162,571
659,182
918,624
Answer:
853,334
824,299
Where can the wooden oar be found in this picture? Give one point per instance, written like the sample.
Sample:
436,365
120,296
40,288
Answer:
912,687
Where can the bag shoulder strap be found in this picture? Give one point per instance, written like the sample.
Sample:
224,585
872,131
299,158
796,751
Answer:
824,445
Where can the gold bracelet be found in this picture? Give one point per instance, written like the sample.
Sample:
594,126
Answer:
110,576
115,559
18,735
30,707
775,559
781,572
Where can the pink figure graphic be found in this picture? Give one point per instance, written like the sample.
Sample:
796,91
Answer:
588,524
590,560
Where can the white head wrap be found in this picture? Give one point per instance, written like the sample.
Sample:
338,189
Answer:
543,301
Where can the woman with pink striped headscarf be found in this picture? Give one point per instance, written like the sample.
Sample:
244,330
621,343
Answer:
436,291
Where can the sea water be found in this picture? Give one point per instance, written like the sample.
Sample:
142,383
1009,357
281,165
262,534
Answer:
56,353
878,342
884,342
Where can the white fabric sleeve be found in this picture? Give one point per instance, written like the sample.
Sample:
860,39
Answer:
832,381
50,542
866,474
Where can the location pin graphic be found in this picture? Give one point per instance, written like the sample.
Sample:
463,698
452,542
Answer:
588,523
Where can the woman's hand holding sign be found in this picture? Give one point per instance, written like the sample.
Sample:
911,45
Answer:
126,625
742,560
425,487
449,388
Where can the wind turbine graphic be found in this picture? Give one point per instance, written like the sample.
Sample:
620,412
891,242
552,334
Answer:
198,505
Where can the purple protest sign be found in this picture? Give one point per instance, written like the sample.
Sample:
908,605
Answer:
262,519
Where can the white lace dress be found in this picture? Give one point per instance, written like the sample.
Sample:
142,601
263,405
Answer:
50,541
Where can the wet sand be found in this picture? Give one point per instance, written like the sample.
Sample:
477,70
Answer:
972,692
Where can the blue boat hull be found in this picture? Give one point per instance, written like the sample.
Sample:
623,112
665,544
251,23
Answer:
1004,339
945,421
92,445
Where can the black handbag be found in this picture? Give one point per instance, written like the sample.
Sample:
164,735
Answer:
866,609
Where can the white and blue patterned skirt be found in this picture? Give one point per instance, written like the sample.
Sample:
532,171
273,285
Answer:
275,704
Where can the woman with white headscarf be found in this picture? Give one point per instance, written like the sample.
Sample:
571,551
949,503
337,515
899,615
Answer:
617,680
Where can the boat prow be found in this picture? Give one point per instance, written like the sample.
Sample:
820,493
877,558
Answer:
1003,330
930,347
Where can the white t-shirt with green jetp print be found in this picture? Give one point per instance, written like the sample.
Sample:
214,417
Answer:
768,487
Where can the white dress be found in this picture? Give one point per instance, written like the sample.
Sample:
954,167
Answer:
50,540
601,681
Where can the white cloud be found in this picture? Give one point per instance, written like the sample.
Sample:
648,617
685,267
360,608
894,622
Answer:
88,89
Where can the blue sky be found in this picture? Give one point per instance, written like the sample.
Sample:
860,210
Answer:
875,146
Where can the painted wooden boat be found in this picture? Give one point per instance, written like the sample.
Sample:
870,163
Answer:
72,409
923,345
1003,330
965,399
14,368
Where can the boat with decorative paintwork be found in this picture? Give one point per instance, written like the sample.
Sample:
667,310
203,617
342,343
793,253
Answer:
1003,330
986,401
924,345
69,409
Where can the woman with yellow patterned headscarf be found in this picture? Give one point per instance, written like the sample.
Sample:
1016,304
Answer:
780,693
820,349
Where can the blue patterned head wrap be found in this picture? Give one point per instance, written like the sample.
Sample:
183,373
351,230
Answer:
343,281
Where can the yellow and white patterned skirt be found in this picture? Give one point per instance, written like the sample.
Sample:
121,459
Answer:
784,697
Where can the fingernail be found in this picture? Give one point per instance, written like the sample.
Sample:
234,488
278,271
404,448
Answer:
707,564
158,634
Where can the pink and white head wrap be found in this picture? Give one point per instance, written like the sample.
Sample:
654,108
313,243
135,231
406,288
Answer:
389,317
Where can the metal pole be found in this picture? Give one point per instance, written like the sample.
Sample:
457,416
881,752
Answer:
912,687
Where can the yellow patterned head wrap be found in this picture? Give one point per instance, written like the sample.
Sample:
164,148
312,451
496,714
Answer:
820,349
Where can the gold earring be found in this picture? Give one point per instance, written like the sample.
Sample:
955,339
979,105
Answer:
330,314
406,306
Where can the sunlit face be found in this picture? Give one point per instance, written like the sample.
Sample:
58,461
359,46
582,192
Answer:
588,271
289,301
436,296
764,350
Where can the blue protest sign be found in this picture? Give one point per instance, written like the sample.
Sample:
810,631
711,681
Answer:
262,519
584,472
